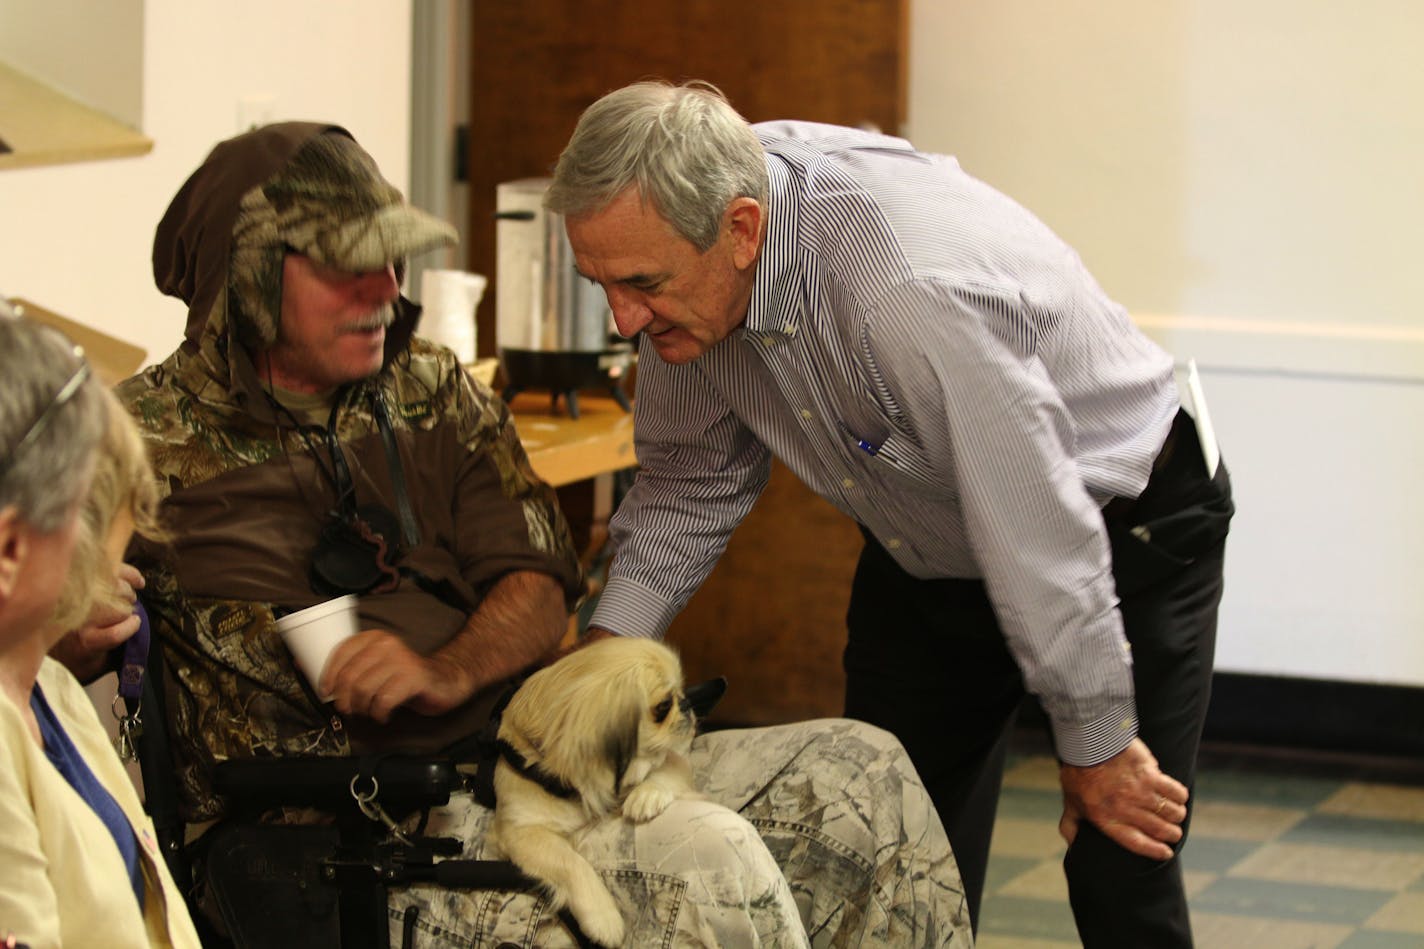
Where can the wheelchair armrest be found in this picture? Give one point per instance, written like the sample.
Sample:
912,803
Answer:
403,783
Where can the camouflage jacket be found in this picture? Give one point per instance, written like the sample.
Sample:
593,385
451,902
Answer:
245,503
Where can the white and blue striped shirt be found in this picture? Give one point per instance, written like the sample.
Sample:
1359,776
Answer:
931,359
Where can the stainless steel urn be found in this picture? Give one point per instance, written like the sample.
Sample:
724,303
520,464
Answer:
553,328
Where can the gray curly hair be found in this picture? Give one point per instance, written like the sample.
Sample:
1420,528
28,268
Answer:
47,438
685,148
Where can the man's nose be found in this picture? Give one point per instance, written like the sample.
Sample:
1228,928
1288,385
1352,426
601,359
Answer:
379,286
630,314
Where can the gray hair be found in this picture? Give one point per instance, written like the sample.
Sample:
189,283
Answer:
684,147
46,476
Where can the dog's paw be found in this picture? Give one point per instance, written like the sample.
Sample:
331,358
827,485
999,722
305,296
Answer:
600,921
647,801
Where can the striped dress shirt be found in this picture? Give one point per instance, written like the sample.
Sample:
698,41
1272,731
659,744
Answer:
931,359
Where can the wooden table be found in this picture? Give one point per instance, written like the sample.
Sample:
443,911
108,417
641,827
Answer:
566,450
578,457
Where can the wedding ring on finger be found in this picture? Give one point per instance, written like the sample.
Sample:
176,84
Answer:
1161,803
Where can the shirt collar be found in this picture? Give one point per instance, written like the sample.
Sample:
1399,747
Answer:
775,308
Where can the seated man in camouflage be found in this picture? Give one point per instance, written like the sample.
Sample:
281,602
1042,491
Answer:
309,444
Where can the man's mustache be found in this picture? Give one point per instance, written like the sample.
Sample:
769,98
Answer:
378,319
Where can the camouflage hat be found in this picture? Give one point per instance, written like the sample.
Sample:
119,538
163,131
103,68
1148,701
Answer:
329,203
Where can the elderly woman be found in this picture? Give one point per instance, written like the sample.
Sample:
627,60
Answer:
78,860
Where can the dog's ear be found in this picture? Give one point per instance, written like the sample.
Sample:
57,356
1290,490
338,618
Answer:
620,741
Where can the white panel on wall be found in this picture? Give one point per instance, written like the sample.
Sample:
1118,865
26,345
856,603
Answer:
1323,577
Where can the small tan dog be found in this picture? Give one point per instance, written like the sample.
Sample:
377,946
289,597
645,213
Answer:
606,727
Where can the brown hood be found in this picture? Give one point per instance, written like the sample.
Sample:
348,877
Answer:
294,186
194,240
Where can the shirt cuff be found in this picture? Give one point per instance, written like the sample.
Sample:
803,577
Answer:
1084,744
628,608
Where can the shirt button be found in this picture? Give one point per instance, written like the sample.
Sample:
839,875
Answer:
893,543
1126,724
768,341
806,414
847,483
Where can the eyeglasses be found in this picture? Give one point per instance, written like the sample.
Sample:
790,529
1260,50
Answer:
65,393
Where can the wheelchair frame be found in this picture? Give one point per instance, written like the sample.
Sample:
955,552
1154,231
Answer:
356,859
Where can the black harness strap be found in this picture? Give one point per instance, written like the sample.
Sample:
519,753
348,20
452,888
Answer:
533,772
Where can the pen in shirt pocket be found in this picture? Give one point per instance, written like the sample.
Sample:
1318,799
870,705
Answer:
864,444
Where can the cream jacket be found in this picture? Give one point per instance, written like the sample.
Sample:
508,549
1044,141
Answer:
62,880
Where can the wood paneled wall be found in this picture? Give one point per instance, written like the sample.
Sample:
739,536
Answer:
772,617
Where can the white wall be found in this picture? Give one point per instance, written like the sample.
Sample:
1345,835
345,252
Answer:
91,51
1244,176
78,238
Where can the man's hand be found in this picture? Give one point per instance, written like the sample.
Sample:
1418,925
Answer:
1129,799
590,636
85,651
373,673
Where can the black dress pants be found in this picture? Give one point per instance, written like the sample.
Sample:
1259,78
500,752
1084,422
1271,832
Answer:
926,660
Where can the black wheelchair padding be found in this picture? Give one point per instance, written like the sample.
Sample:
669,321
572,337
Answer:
403,784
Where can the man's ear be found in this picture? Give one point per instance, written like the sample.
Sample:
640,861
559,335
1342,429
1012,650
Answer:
14,548
744,221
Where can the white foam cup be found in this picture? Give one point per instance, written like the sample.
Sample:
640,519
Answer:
311,634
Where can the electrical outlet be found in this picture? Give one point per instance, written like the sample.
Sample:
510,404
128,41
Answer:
254,111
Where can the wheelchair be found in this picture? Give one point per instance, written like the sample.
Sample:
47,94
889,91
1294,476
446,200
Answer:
323,886
317,886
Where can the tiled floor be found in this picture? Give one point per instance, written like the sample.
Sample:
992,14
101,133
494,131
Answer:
1278,858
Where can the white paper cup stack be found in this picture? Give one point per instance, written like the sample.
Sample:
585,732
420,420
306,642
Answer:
449,298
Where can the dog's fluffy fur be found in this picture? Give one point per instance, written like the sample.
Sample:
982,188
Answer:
611,722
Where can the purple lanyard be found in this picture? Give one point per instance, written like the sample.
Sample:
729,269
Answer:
131,672
135,659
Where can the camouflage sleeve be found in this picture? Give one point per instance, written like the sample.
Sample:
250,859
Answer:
506,517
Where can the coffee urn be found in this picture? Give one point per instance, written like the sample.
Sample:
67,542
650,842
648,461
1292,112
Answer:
554,330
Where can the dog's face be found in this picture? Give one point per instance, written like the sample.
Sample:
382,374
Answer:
603,717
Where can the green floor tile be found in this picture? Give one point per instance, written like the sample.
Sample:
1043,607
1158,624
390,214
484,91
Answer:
1336,830
1003,869
1215,854
1031,804
1271,790
1243,896
1039,919
1366,939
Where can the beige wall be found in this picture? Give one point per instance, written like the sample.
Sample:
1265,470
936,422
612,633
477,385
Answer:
1244,176
90,51
78,238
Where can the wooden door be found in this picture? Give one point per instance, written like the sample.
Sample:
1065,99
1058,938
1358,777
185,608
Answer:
776,629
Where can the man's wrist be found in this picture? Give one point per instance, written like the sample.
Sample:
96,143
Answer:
1084,744
459,678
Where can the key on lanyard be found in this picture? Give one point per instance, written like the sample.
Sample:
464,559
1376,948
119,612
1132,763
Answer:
131,673
130,727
